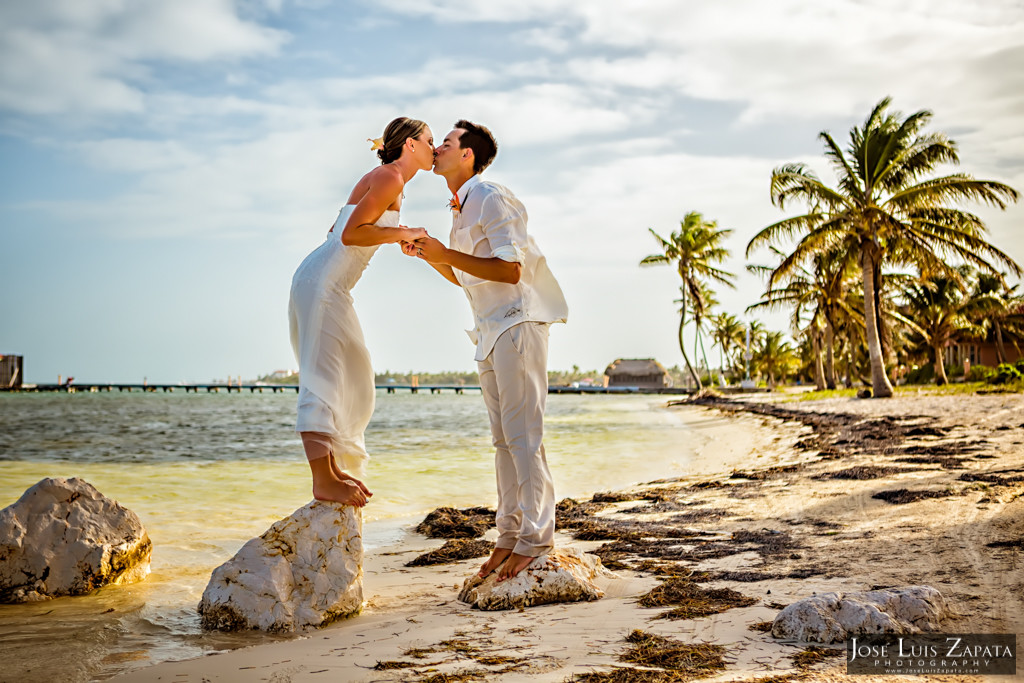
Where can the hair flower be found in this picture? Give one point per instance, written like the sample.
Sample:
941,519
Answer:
376,143
454,204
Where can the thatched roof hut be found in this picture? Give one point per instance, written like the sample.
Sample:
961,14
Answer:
637,372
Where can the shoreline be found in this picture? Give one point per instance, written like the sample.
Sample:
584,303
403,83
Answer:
967,450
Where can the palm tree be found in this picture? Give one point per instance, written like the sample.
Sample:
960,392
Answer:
693,249
887,210
942,311
728,333
1006,319
774,357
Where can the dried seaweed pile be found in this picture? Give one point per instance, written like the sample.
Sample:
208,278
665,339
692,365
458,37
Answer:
453,550
452,523
666,660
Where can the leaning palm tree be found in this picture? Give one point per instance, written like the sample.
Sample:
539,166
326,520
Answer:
888,210
693,249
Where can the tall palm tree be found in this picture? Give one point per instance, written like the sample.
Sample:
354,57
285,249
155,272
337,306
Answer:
887,210
693,250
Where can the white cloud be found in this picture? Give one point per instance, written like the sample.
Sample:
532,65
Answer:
75,56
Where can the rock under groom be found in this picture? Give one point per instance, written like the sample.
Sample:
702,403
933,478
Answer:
514,298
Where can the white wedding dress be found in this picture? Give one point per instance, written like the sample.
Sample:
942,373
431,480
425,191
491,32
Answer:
336,381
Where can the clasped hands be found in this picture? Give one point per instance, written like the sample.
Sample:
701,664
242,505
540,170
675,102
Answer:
428,248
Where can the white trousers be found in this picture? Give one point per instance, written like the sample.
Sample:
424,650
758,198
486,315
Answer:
514,382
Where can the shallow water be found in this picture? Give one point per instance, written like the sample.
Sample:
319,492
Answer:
205,473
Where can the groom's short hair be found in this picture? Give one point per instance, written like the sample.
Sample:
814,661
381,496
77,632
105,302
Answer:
480,140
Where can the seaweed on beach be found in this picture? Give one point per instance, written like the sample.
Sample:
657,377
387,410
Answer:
445,522
904,496
690,600
815,655
743,577
648,649
614,497
457,676
994,478
862,472
767,542
1015,543
767,473
453,550
946,462
761,626
386,666
570,514
705,515
631,674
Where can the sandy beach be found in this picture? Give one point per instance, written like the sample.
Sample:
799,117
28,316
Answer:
792,498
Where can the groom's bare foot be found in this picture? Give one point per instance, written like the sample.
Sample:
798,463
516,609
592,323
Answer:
494,561
515,564
342,476
346,492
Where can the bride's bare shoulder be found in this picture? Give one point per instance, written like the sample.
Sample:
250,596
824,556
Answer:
385,180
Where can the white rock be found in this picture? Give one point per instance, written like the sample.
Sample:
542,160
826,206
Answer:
63,537
304,571
833,617
563,575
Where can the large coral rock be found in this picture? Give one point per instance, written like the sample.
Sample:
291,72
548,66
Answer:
834,617
63,537
304,571
563,575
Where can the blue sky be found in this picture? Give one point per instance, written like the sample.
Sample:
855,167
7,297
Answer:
165,165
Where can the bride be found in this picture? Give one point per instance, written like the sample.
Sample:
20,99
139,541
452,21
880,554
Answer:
336,380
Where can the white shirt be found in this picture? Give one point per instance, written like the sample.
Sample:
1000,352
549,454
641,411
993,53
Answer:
492,223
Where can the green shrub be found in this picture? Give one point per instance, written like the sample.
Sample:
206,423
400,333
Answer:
921,375
980,373
1005,373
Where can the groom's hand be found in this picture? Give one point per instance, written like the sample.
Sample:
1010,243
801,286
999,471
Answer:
430,250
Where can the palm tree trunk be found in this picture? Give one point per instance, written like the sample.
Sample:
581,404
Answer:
848,380
830,356
819,371
1000,349
682,346
880,386
704,355
940,365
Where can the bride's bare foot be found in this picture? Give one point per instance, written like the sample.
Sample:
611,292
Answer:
342,476
494,561
346,492
515,564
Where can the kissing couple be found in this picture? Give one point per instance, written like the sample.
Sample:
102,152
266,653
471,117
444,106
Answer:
514,299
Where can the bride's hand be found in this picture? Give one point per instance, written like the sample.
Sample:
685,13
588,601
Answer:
409,248
413,234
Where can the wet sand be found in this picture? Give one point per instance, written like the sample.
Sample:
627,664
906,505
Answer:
811,496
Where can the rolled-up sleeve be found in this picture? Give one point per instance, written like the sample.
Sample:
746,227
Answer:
504,225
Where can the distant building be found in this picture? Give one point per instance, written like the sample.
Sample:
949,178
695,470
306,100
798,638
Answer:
981,353
11,372
645,373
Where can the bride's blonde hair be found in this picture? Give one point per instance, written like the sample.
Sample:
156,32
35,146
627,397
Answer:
395,135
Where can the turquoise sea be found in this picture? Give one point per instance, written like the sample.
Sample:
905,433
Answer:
207,472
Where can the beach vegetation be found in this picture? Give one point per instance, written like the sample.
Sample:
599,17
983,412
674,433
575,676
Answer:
812,655
453,550
665,660
695,250
689,600
889,209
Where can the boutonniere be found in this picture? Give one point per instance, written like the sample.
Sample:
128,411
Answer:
454,204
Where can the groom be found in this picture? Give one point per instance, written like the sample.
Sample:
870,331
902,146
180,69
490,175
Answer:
514,298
